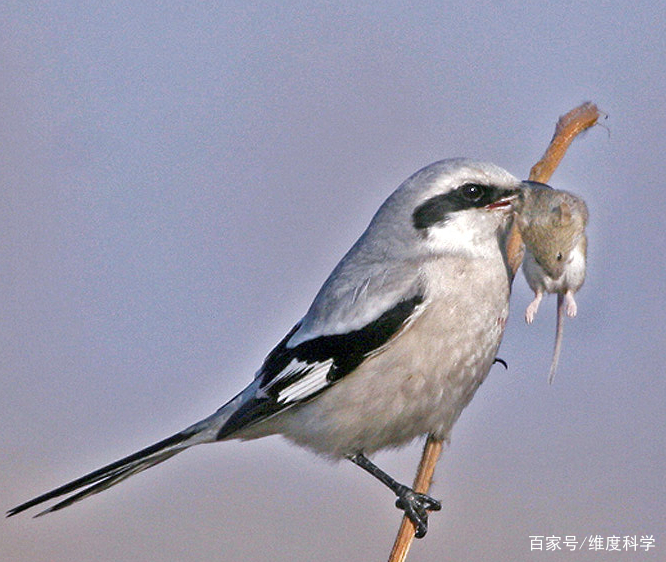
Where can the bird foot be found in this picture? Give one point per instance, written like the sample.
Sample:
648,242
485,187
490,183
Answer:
416,507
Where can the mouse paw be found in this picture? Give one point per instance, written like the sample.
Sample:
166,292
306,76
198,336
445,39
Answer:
531,310
570,306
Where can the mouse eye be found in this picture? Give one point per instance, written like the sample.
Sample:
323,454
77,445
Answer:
559,256
472,191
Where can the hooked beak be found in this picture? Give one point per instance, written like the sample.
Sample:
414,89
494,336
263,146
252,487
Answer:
529,184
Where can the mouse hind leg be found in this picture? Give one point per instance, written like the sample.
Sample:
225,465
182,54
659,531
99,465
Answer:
531,310
570,305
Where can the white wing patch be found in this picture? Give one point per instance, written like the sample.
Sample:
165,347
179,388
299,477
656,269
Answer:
312,379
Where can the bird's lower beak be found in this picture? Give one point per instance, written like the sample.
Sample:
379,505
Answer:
506,200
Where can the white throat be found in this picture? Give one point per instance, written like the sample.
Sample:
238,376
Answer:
468,233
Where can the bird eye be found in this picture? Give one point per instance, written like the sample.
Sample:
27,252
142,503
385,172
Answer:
472,191
559,256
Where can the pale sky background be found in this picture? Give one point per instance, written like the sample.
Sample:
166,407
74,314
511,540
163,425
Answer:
178,180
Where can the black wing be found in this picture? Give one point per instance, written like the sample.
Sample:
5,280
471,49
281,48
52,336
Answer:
290,375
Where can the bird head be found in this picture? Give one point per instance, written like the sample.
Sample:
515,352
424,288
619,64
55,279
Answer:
459,205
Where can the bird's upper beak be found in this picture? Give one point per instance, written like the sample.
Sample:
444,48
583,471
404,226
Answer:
529,184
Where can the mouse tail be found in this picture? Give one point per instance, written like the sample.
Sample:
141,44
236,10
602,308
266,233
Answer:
558,337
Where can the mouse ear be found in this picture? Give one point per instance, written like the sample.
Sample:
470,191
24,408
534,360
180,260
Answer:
563,214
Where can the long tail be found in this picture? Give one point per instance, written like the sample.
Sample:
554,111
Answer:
110,474
559,331
204,431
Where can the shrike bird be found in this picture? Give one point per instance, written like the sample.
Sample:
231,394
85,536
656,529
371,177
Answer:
394,345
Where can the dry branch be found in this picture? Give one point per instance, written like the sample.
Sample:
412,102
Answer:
568,127
424,474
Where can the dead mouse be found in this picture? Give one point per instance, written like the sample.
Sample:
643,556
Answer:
552,224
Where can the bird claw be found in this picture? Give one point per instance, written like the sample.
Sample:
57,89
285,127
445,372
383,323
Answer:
416,507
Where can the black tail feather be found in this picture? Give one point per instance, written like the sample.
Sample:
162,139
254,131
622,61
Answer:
110,474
